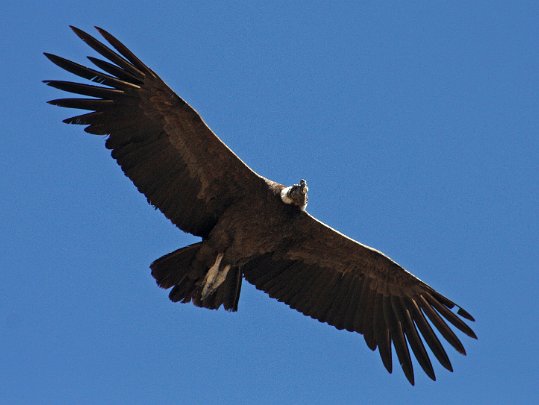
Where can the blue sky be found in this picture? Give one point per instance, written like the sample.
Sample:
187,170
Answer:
416,126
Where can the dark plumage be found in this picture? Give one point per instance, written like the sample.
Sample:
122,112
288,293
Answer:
197,182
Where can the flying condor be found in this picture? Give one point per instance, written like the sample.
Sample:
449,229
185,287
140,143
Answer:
250,227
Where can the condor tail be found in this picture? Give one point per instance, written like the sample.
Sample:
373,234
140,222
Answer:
189,282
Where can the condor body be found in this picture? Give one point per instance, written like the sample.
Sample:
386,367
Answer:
250,227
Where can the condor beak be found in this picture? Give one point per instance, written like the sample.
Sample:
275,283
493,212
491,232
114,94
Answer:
303,186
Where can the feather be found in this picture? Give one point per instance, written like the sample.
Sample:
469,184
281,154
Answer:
130,56
353,307
397,334
107,52
429,336
361,306
115,70
446,332
415,341
381,330
85,89
450,316
84,119
90,74
83,103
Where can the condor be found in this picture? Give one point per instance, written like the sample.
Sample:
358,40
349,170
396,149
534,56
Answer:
250,227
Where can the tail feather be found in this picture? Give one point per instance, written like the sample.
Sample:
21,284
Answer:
179,270
227,294
170,269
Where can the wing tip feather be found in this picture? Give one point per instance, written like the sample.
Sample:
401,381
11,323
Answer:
465,314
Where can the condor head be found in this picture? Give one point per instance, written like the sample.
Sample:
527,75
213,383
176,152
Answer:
296,194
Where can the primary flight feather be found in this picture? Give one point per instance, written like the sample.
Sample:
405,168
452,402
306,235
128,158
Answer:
251,227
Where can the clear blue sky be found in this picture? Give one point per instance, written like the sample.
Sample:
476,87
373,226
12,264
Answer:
417,127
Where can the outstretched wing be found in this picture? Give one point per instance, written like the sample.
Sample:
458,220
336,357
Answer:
337,280
160,142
